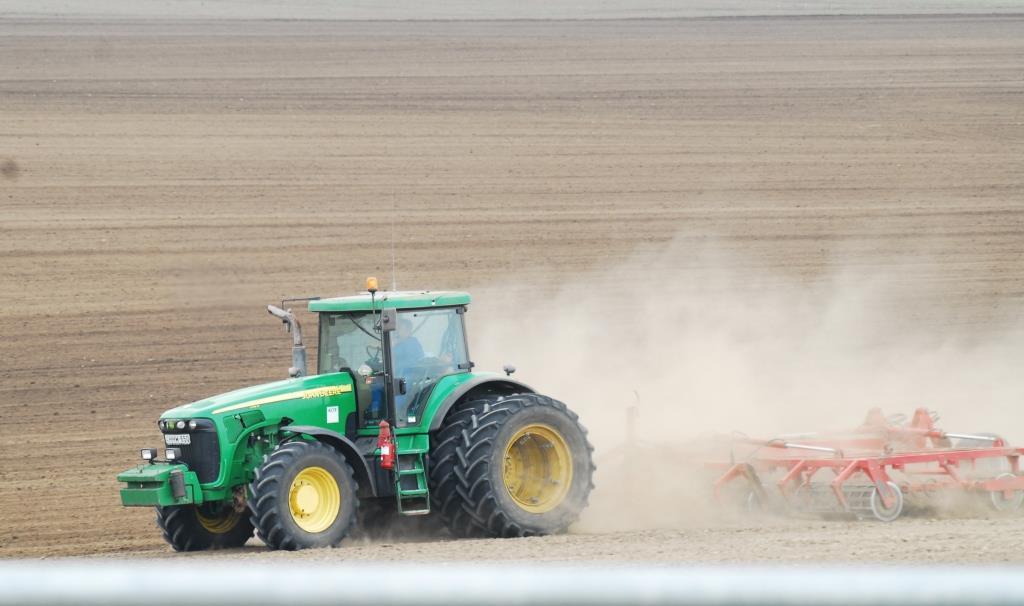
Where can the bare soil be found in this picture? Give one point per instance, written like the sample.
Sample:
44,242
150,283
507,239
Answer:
161,181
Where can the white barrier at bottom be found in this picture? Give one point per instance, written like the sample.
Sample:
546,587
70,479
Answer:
200,581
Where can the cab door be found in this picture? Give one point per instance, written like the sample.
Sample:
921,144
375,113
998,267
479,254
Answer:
427,344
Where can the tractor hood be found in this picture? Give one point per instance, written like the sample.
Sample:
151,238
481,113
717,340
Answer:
266,397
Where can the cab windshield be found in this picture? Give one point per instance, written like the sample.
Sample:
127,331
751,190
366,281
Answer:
348,341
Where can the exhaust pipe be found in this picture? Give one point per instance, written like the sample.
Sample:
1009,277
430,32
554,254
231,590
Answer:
298,368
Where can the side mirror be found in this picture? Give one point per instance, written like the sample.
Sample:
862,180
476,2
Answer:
388,319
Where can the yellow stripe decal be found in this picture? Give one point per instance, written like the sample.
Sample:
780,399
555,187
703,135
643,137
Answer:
305,394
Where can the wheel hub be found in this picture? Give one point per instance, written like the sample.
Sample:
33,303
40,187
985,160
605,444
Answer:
314,499
306,498
537,468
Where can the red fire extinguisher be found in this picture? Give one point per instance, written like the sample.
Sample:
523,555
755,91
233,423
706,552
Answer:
386,446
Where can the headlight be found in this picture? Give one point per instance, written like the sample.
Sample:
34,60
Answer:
148,454
180,425
192,425
173,454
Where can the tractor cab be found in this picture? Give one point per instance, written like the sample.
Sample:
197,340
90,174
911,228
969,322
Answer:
416,338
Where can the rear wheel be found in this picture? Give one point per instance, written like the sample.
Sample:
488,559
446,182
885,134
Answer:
207,526
304,496
510,466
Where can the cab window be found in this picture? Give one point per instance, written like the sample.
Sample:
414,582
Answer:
348,341
427,345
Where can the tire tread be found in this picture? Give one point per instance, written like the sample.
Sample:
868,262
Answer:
267,510
461,491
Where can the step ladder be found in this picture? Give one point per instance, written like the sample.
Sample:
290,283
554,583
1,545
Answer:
411,492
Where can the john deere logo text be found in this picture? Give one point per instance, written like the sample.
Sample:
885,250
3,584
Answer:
326,392
306,394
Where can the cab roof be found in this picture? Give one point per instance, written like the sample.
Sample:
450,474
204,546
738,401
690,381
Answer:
397,300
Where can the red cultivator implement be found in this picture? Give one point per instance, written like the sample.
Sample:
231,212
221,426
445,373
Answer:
871,469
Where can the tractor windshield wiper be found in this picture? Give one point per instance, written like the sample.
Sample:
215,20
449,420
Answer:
360,327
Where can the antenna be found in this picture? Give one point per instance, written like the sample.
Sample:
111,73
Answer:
394,211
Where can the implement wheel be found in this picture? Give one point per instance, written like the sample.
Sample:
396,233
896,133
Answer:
1005,501
880,511
206,526
510,466
304,495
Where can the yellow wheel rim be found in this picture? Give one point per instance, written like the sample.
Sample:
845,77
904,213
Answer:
221,522
538,468
314,499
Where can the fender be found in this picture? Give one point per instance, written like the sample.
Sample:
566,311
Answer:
483,383
347,448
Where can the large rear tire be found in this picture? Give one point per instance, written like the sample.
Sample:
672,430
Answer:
201,527
510,466
303,496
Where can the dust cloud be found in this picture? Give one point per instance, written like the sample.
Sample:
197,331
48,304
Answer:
702,340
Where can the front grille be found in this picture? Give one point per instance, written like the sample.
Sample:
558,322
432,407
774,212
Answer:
203,454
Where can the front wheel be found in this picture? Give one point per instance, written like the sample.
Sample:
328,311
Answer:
510,466
206,526
304,496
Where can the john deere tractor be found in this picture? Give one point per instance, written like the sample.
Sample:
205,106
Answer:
395,419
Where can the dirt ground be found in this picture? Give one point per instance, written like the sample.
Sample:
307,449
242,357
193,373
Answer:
161,181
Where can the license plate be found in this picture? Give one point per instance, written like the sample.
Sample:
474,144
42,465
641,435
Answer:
177,439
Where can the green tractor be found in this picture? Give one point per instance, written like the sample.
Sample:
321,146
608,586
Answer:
395,419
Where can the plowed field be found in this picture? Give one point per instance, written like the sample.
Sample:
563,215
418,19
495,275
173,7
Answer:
161,181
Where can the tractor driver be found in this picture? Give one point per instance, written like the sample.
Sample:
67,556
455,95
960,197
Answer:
407,349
